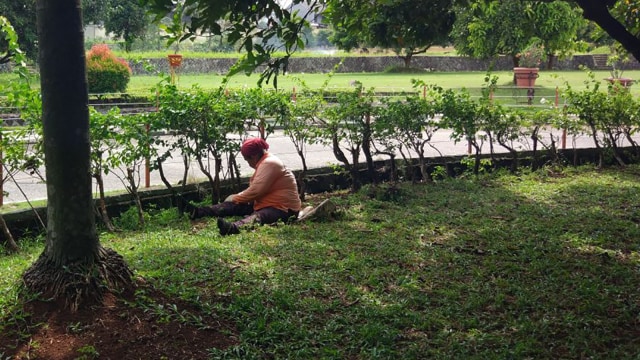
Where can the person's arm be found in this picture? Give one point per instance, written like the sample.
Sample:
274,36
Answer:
262,181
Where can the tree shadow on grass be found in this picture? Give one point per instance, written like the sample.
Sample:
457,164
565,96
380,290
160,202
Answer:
460,269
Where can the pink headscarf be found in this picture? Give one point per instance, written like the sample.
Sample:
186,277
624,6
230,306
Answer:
253,146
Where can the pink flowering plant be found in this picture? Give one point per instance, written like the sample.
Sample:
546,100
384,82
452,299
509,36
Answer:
532,56
106,73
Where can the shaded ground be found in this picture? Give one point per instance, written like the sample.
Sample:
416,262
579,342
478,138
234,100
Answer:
150,325
114,330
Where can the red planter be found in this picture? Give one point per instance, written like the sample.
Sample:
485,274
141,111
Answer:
525,77
623,82
175,60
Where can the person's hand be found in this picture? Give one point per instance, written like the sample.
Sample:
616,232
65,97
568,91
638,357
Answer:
229,198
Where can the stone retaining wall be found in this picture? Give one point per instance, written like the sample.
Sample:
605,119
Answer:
366,64
372,64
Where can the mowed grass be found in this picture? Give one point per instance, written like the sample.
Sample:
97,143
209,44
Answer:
538,265
549,89
548,81
380,81
550,86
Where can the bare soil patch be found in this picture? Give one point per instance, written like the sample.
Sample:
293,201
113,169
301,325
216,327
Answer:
113,330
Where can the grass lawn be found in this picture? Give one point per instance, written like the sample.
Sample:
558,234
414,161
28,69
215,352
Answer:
382,81
534,266
549,86
548,80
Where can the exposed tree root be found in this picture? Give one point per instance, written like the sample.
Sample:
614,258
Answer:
79,283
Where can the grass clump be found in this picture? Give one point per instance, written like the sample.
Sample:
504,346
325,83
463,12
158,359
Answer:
537,265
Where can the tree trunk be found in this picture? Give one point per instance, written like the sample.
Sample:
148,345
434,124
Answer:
133,190
550,60
598,12
185,175
164,179
594,136
215,188
628,135
617,153
366,148
352,168
476,164
216,178
102,204
407,60
422,161
71,231
10,242
234,171
408,165
179,200
302,176
534,138
73,267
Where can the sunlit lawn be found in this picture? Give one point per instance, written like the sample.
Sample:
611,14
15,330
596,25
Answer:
548,80
533,266
550,85
382,81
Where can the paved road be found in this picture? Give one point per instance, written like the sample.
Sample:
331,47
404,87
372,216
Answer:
26,186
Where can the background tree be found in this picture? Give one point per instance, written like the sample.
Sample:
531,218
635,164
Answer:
619,18
488,29
93,11
73,266
252,26
407,27
9,38
20,15
590,36
556,24
126,20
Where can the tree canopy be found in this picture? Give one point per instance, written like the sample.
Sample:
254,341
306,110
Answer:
619,18
406,26
260,28
20,15
126,19
507,27
253,26
487,29
557,26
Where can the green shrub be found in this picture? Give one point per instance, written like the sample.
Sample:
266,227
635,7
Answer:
105,72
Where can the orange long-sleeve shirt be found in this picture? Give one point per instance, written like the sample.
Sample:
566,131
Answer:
273,185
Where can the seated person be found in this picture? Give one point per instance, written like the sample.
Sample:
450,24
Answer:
272,194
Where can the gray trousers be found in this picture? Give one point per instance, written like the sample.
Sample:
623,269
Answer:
268,215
